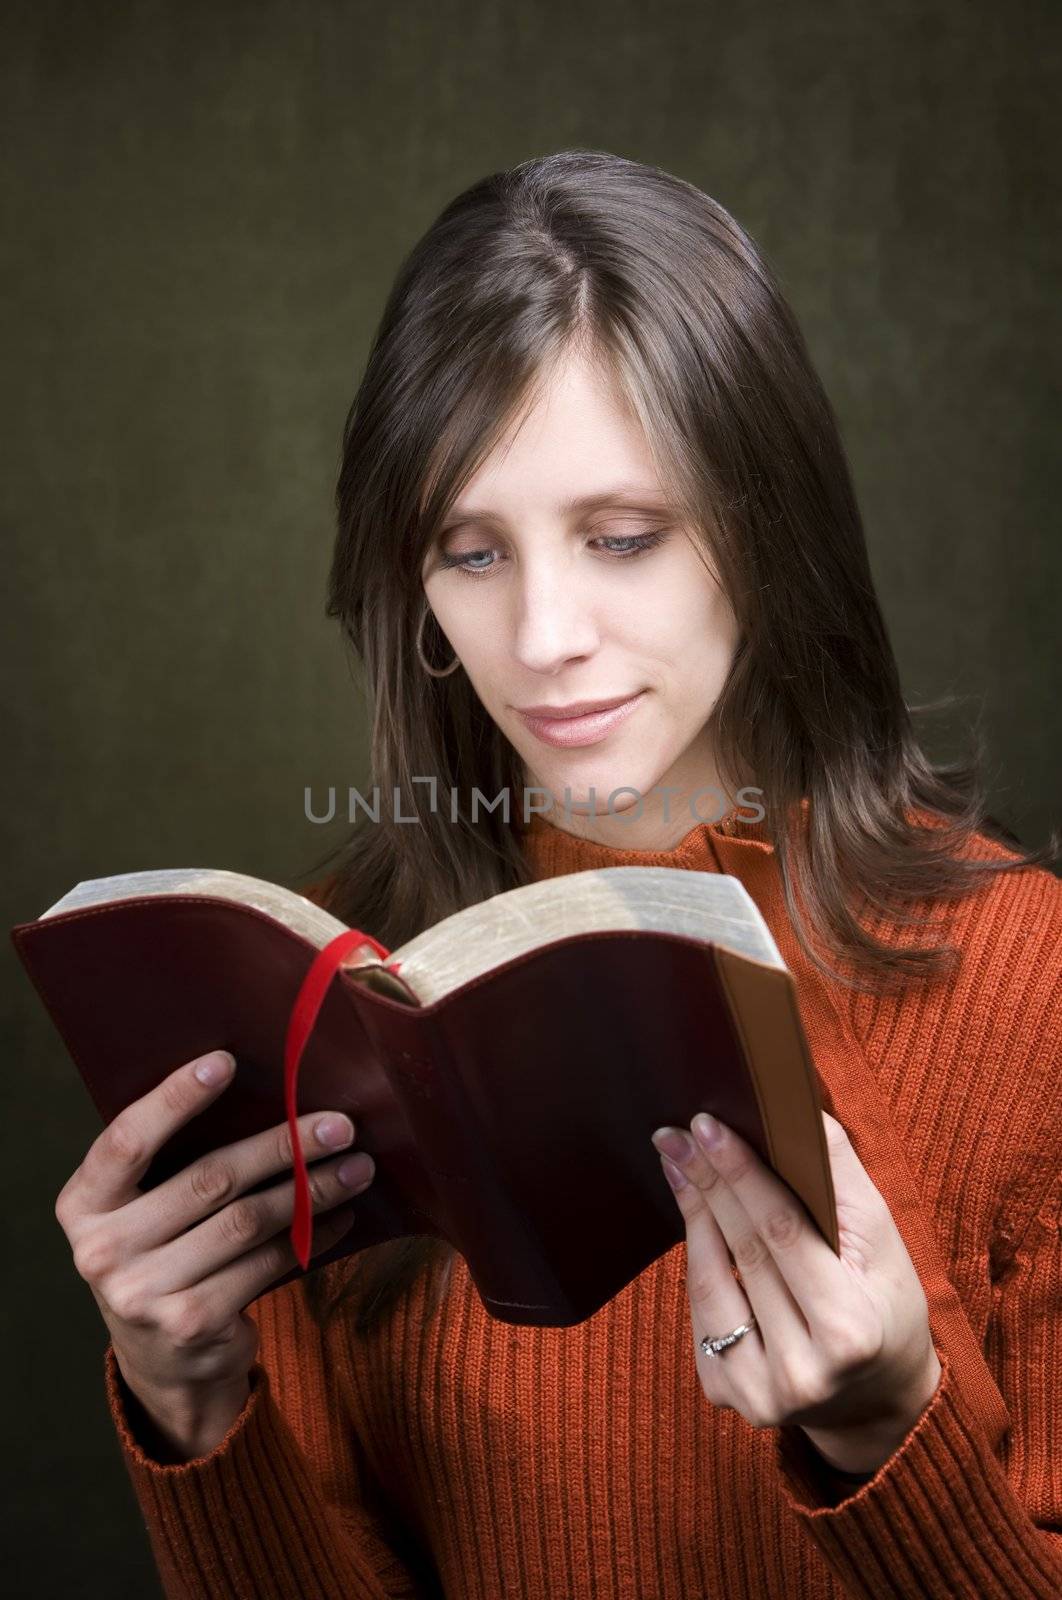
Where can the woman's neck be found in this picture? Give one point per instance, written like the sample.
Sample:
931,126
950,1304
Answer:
626,830
658,820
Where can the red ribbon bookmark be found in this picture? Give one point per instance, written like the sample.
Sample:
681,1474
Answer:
308,1003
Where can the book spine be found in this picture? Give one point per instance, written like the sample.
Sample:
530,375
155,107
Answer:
771,1033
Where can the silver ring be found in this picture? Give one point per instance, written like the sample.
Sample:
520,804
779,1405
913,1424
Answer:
713,1347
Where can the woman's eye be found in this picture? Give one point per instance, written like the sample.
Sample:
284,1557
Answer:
618,547
633,542
462,563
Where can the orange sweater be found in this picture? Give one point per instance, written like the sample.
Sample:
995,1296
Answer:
457,1455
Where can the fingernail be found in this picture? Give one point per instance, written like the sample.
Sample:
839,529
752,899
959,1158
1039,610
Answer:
673,1142
335,1129
215,1067
707,1131
356,1172
675,1178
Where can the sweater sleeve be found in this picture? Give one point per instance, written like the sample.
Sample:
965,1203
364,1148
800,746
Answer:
285,1504
944,1516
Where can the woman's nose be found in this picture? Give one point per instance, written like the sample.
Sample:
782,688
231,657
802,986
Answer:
555,623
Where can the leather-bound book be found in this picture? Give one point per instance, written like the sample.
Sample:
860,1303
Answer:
505,1069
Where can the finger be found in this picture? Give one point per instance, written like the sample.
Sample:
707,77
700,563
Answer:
769,1230
763,1288
118,1158
718,1303
718,1293
852,1181
242,1281
218,1178
252,1221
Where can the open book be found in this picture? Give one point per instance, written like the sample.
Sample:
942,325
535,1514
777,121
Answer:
505,1068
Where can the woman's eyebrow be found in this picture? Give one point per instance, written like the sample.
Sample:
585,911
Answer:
630,497
641,498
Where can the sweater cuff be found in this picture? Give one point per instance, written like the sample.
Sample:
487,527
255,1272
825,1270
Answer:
143,1466
938,1517
247,1518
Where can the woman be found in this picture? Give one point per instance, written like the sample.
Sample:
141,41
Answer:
590,463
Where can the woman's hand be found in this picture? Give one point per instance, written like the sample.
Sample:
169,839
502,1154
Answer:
172,1269
842,1345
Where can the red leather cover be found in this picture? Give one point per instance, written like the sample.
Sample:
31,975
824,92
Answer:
512,1117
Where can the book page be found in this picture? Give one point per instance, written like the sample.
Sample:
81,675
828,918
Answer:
702,905
286,906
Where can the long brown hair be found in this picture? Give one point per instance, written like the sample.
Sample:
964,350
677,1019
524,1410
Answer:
661,286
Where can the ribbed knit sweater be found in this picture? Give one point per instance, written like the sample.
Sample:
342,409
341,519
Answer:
452,1454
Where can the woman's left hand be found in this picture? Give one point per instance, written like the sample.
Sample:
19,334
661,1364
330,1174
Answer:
842,1345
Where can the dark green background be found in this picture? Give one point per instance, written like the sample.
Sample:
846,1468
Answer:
204,208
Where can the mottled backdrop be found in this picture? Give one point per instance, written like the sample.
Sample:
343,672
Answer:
204,205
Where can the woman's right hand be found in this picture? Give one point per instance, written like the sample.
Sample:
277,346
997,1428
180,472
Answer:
172,1269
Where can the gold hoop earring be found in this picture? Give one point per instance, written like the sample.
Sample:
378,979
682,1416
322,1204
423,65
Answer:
434,672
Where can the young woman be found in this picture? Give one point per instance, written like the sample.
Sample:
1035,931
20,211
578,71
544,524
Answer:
599,553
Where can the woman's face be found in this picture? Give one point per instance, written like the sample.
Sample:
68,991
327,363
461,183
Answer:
577,583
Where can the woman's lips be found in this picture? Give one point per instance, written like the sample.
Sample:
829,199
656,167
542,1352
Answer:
567,732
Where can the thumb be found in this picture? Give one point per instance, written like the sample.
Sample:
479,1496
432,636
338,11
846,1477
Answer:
850,1175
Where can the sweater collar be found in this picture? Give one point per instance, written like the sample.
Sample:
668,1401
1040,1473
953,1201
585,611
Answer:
737,844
